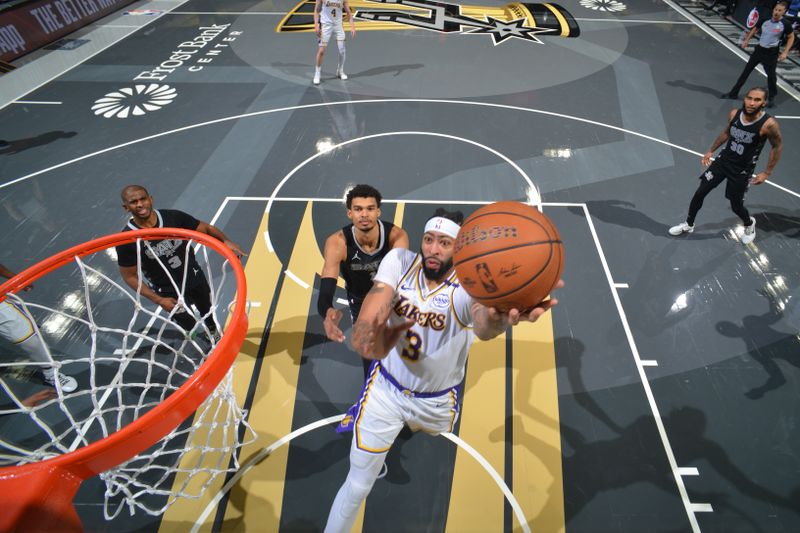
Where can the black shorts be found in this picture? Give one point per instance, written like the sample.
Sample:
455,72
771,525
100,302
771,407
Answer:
738,182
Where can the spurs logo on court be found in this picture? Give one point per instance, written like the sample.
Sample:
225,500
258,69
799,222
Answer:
448,18
604,5
134,101
525,21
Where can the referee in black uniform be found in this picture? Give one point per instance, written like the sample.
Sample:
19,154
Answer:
767,51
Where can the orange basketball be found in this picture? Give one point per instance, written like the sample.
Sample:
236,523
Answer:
508,255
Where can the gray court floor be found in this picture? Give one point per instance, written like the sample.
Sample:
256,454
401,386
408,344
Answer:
677,359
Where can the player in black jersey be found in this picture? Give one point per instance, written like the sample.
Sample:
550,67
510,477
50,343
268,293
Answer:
743,138
354,253
171,253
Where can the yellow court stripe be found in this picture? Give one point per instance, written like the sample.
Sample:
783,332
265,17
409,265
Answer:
483,427
263,271
538,483
561,20
261,490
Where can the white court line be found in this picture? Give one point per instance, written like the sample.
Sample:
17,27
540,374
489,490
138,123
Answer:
531,186
296,279
109,45
523,522
649,362
34,102
118,26
342,301
275,13
254,460
688,505
787,117
359,102
791,91
688,471
702,508
637,21
266,452
621,285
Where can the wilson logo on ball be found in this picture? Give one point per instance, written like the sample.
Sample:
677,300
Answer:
478,234
508,255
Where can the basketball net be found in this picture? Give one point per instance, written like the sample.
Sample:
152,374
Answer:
129,358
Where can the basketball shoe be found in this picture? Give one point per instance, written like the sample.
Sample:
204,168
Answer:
340,74
68,383
681,228
749,234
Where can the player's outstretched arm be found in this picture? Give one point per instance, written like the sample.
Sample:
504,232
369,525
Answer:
217,233
334,253
372,337
488,322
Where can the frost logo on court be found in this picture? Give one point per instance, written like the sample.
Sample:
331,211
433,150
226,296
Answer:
134,101
604,5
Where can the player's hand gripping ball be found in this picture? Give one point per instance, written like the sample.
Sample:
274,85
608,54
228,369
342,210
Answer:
508,255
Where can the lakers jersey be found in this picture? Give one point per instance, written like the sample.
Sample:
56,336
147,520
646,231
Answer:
331,12
432,354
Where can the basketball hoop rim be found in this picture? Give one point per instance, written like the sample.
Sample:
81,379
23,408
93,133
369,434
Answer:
148,429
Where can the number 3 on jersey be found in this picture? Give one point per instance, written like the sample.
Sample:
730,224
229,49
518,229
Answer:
413,346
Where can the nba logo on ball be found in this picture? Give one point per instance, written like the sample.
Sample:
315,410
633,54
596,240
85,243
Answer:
508,255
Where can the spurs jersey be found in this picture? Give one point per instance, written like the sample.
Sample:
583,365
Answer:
432,355
744,145
170,252
360,267
331,12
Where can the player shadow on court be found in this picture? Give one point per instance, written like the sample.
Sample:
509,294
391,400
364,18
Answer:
20,145
661,295
776,222
631,457
765,345
622,213
290,68
683,84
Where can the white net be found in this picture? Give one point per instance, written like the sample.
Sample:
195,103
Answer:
97,355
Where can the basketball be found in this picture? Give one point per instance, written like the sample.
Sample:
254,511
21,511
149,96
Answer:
508,255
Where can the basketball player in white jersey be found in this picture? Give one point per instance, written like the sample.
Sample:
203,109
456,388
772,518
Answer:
17,327
417,323
327,21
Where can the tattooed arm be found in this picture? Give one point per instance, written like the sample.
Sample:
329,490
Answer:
372,337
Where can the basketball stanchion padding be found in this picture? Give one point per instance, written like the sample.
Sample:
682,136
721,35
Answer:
37,493
508,255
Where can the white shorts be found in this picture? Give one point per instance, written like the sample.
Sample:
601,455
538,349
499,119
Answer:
384,410
327,30
15,325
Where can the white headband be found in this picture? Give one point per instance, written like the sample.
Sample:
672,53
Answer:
443,225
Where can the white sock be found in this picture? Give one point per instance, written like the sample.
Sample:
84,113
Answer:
317,71
342,56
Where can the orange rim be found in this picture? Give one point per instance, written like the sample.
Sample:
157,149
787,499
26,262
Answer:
153,425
